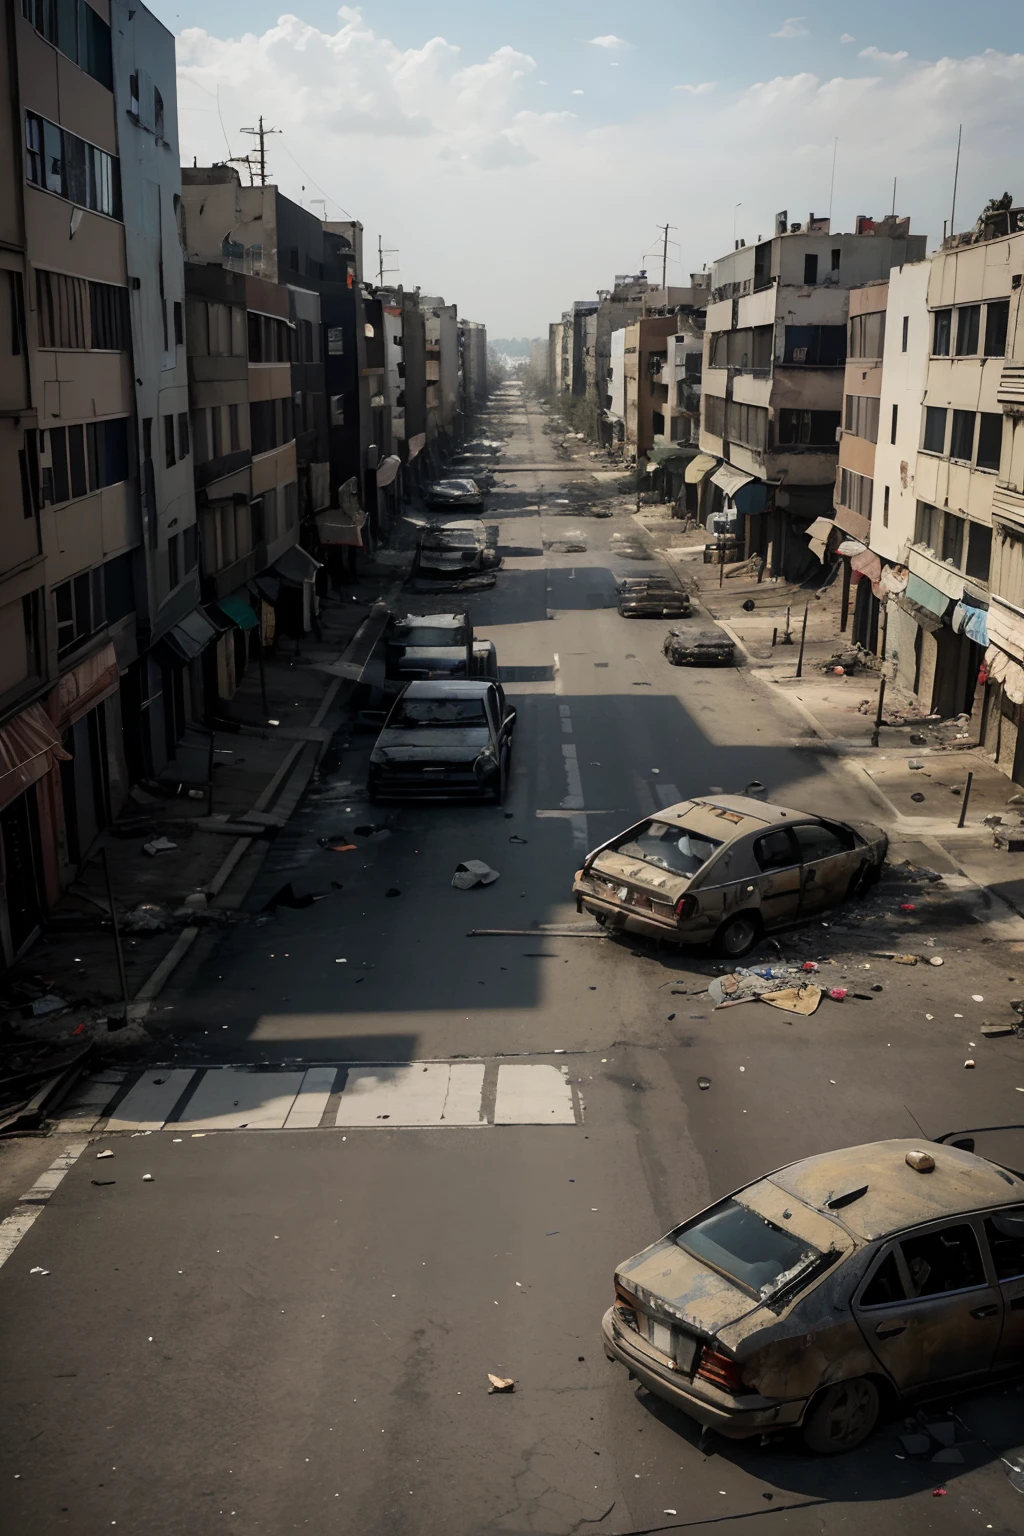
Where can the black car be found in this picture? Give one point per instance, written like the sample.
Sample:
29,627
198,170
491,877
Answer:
444,740
699,648
653,598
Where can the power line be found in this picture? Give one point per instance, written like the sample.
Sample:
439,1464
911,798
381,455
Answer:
316,184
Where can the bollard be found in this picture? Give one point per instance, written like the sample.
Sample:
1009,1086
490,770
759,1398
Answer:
878,712
775,636
787,638
803,637
967,796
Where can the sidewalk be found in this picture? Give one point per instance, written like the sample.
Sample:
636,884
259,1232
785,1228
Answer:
262,763
915,757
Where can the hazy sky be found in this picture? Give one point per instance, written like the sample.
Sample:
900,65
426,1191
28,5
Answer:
519,155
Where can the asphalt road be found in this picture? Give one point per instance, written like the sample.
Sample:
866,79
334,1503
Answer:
292,1329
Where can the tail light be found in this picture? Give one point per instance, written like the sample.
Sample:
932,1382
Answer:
686,906
624,1300
721,1371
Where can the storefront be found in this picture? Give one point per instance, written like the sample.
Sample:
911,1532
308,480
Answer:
31,757
93,777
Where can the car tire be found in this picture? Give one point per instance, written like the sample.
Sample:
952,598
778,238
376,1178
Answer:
841,1416
738,936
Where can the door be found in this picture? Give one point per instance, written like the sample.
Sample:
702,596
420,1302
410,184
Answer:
928,1310
778,884
828,866
1004,1231
19,868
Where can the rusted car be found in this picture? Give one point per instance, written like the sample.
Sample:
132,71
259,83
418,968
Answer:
699,648
453,493
725,870
455,549
444,740
808,1297
652,597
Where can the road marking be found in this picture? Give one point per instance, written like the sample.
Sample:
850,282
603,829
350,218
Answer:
311,1100
87,1101
533,1095
574,799
234,1101
13,1229
149,1102
439,1093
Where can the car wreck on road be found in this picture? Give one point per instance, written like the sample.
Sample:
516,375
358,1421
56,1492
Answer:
699,648
448,740
429,645
453,493
451,551
653,597
725,870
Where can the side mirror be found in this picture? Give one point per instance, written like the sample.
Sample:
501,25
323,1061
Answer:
510,719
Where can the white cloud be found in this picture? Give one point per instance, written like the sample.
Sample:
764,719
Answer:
703,89
609,40
881,56
577,93
614,64
793,26
847,37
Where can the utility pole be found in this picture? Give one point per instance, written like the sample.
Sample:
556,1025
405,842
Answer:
383,251
956,178
664,255
262,134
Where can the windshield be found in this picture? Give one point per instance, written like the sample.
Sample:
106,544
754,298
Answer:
425,634
670,848
448,537
747,1249
435,712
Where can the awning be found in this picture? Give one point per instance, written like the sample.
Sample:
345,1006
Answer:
1005,670
971,621
29,747
1006,628
818,546
751,499
220,621
266,587
663,448
334,528
238,611
416,444
295,566
699,468
928,597
191,637
923,617
80,690
853,523
820,528
387,469
867,564
937,574
729,479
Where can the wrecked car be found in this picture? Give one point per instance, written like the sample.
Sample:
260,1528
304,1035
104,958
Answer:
471,469
486,447
453,493
456,549
424,645
806,1297
725,870
447,740
652,597
699,648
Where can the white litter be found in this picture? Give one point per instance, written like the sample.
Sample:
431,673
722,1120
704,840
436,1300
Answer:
976,997
147,1178
473,872
37,1269
108,1153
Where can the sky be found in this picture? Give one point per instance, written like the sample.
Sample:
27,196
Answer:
517,156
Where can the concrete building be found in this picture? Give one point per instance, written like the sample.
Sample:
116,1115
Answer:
775,352
645,351
441,339
474,364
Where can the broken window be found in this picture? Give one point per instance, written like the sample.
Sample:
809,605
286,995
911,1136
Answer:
1005,1234
953,539
862,416
961,441
669,847
997,320
934,429
815,346
928,527
810,270
885,1285
968,326
806,428
867,335
944,1261
942,328
990,439
979,551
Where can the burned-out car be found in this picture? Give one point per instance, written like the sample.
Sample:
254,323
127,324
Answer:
425,645
469,468
444,741
456,549
726,869
652,597
699,648
453,493
808,1296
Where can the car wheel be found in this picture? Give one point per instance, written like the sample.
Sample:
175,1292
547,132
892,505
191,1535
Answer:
738,936
841,1417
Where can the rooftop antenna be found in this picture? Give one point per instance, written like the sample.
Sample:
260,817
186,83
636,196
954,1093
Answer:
383,251
832,184
663,230
956,177
322,201
894,197
262,134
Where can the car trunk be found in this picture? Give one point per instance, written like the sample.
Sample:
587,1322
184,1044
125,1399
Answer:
635,883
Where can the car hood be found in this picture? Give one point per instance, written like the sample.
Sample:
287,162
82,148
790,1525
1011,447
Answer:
869,832
448,743
661,884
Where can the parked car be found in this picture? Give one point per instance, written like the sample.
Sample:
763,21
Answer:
425,645
653,599
803,1298
699,648
453,493
444,740
487,447
456,549
725,870
471,468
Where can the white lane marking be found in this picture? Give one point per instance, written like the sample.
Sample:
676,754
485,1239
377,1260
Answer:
668,794
574,799
464,1106
311,1100
533,1095
580,834
234,1101
147,1104
13,1229
394,1096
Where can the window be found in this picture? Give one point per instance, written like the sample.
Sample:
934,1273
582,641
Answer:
928,527
119,587
71,167
906,333
76,461
943,1261
158,114
173,562
147,437
169,441
133,92
990,439
59,485
1005,1234
200,442
867,335
815,346
855,492
751,1252
74,27
810,270
953,539
885,508
746,424
76,315
961,442
997,320
968,324
190,547
806,428
942,329
179,324
979,551
775,851
836,257
885,1285
935,429
79,609
862,416
182,434
64,477
216,431
94,54
234,436
108,318
818,842
271,424
892,427
107,452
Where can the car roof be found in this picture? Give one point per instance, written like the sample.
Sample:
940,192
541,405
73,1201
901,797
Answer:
466,522
417,619
752,814
443,688
897,1196
461,485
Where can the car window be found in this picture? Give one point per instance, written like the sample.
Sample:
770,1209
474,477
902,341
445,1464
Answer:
775,850
1005,1234
817,842
409,713
424,634
669,847
885,1285
748,1249
946,1260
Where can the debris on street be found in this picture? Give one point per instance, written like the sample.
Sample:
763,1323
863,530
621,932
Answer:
473,872
501,1383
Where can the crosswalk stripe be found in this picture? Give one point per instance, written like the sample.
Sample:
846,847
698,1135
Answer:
437,1093
311,1100
533,1095
233,1101
148,1103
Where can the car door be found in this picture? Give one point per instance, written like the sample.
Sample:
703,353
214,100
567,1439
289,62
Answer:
828,865
1004,1233
927,1308
778,881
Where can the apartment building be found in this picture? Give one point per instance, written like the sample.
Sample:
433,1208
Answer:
773,374
645,350
443,405
473,351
